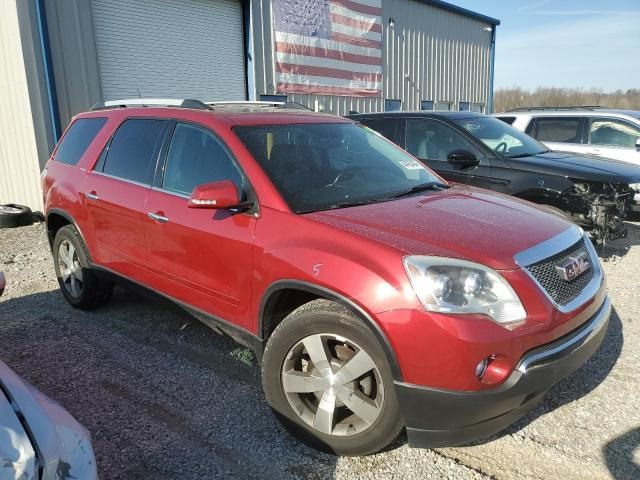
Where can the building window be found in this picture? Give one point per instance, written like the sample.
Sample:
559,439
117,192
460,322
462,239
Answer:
391,105
477,107
464,106
265,97
443,106
426,105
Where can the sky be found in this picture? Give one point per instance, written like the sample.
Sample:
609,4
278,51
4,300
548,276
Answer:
565,43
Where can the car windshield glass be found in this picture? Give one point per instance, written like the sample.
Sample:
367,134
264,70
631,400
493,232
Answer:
502,138
326,166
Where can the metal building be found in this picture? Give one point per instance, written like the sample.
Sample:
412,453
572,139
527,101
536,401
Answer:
58,58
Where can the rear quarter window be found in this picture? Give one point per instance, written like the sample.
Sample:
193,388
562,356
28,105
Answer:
77,139
507,120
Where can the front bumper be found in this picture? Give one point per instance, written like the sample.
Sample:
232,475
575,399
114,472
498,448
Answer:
437,418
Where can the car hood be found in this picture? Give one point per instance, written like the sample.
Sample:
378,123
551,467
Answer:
460,222
580,167
63,444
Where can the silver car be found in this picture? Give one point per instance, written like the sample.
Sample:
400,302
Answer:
39,440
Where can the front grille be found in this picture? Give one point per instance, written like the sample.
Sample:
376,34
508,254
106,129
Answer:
561,291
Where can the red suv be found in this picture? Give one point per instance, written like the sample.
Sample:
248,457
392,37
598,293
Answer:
375,295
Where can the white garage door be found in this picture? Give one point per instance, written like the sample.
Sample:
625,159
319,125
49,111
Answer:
170,48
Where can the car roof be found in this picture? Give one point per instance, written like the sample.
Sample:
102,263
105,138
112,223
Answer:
419,113
635,114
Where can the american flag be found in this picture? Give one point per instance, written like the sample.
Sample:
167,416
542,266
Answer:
328,47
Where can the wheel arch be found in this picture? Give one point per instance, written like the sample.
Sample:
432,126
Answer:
284,296
56,219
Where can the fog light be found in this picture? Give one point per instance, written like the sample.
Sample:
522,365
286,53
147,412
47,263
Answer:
481,368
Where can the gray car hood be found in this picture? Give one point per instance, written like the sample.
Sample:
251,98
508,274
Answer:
47,437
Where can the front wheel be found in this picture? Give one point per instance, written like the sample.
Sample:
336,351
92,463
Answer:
328,381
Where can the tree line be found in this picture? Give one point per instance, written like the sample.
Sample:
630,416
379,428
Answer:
516,97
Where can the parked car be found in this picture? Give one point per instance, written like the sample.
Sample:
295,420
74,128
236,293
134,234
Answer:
607,133
480,150
375,295
38,438
604,132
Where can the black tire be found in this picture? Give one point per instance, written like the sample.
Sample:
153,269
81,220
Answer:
326,317
12,216
93,291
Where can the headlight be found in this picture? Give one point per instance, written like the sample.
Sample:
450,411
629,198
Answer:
635,186
447,285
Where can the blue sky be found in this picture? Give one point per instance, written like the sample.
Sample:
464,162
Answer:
565,43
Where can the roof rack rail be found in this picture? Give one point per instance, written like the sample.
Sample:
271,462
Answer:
570,107
255,103
151,102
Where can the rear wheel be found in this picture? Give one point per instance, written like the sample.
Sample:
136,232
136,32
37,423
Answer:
328,381
79,284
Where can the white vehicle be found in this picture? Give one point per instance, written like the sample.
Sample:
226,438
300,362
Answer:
592,130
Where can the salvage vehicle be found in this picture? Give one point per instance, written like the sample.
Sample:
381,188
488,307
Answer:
375,295
39,439
479,150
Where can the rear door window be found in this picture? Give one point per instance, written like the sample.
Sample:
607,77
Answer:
196,157
77,139
561,130
613,132
133,150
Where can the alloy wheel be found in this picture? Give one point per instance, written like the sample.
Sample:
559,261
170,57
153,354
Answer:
333,385
70,269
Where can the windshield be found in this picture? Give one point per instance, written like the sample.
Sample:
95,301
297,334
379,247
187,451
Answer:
502,138
325,166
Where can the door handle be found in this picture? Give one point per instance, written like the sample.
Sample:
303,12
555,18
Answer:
92,196
157,217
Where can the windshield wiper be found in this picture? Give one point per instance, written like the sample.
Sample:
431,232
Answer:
522,155
421,188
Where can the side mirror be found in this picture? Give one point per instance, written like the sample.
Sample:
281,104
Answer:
215,195
462,159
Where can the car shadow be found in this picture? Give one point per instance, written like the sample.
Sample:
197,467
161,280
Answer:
619,455
162,395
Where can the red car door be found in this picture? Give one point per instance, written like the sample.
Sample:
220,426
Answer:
116,192
201,256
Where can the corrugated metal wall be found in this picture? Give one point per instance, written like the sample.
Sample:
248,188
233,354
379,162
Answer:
429,54
19,168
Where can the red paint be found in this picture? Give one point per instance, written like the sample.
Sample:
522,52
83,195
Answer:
223,263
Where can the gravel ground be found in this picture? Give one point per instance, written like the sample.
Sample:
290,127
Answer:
164,397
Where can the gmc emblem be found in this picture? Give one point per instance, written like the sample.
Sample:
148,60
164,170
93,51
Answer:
572,267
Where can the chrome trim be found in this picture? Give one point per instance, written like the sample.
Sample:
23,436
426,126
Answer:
555,245
169,192
125,180
591,330
91,196
549,247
